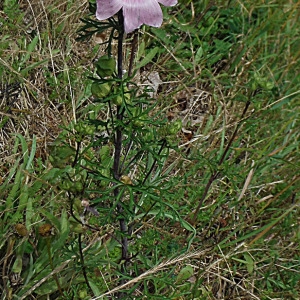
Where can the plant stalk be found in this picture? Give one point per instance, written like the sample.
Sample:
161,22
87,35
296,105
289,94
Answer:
118,149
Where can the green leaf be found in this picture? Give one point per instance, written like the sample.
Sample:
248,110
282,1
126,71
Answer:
148,58
32,153
106,158
29,271
25,71
250,263
94,288
184,274
17,266
64,222
141,50
30,49
24,148
199,55
14,191
23,198
105,66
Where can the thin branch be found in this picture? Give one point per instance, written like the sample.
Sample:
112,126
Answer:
83,264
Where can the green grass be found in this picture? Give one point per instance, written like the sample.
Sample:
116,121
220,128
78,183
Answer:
218,216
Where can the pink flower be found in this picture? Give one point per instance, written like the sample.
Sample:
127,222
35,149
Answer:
136,12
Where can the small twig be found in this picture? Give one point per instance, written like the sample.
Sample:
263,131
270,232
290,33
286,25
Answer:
82,263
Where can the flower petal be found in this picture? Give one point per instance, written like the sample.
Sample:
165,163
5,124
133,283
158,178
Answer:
168,2
107,8
138,13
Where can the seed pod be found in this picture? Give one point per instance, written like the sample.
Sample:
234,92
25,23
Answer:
46,230
126,179
21,230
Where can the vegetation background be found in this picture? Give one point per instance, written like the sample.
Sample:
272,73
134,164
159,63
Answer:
224,78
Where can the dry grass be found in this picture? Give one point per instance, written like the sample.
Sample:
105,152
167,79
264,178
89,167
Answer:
45,99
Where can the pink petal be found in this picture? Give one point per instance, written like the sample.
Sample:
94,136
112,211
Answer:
142,12
136,12
107,8
168,2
